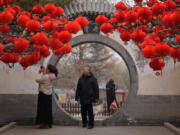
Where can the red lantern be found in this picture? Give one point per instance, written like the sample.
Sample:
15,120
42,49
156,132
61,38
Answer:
169,19
106,28
33,25
44,51
6,17
64,36
113,20
162,49
149,51
59,11
131,17
148,41
120,6
49,26
170,4
178,38
22,20
100,19
157,64
38,9
158,9
66,48
145,15
21,45
175,54
125,36
73,27
159,29
82,21
50,8
17,9
4,29
40,38
32,58
9,58
138,35
11,39
45,19
24,63
55,44
120,16
1,49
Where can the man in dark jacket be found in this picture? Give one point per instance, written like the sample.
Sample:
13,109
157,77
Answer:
87,93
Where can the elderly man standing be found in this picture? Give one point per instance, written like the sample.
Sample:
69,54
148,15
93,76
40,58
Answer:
87,93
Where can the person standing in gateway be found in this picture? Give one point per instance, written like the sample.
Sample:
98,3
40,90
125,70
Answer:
87,93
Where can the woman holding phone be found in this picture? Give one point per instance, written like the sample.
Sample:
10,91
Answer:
44,106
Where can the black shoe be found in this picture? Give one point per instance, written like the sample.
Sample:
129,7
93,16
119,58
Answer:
84,125
90,127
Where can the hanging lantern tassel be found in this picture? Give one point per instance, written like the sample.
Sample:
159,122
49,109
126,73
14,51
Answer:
126,52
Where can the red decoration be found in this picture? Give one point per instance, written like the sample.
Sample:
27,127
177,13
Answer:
125,36
1,49
64,36
120,6
44,51
21,45
100,19
38,9
157,64
138,35
178,38
59,11
170,4
22,20
145,15
17,9
9,58
82,21
169,19
131,17
40,38
4,29
120,16
55,44
149,51
162,49
50,8
33,25
6,17
158,9
73,27
107,27
11,39
49,26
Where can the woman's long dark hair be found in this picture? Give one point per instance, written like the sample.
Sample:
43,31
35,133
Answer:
52,69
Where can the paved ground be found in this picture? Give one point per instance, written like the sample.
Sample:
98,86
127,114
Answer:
59,130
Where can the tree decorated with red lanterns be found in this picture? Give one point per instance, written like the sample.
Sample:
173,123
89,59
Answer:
27,37
154,28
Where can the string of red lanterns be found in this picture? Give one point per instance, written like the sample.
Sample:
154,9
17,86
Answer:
40,31
154,28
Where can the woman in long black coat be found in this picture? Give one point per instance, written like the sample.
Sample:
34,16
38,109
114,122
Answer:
110,93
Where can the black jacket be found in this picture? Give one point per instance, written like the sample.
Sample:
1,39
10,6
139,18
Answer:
87,89
110,93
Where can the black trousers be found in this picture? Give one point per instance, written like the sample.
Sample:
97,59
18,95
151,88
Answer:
44,109
87,110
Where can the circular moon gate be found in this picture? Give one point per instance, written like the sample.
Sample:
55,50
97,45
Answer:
96,38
